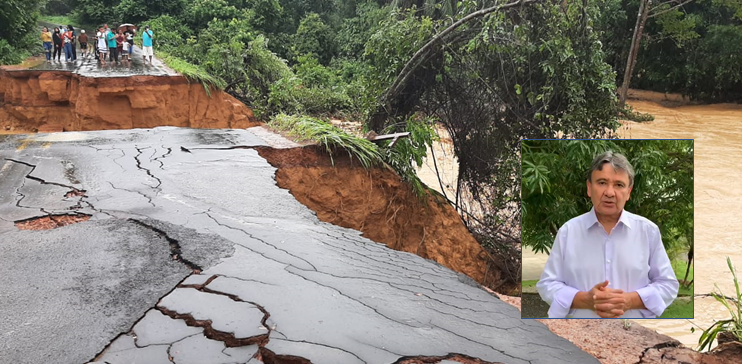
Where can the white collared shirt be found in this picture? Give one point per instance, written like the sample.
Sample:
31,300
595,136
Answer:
632,258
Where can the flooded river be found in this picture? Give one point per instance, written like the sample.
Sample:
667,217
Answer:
717,130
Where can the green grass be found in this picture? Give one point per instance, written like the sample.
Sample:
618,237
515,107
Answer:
192,72
681,308
678,267
530,283
306,128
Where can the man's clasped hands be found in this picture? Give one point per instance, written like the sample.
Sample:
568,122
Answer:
606,302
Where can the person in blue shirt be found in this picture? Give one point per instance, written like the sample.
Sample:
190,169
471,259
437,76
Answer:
147,44
608,262
111,40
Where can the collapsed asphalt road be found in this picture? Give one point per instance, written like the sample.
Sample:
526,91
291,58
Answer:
192,254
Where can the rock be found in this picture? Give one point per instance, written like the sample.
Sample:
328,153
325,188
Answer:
727,353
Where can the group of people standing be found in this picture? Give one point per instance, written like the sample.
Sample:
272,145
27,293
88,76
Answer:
63,40
114,44
106,43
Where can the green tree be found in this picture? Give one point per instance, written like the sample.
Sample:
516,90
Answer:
554,186
135,11
494,77
201,12
268,14
18,18
314,36
96,11
18,28
357,29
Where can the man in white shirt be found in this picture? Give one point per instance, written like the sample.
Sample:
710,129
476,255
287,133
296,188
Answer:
608,262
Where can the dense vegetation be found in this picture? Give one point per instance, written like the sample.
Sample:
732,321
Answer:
490,72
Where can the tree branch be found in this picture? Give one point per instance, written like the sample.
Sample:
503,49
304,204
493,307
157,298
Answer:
416,58
666,10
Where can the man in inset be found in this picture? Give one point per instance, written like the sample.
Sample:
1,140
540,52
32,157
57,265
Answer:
147,44
608,262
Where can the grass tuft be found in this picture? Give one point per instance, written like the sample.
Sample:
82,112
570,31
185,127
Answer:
306,128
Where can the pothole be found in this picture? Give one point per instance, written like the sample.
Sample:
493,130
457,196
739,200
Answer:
75,193
49,222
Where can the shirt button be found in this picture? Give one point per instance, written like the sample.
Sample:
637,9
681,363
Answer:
609,260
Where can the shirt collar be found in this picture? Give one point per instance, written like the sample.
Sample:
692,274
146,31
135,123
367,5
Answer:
592,219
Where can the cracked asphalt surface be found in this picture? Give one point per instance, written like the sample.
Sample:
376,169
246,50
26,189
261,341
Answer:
194,255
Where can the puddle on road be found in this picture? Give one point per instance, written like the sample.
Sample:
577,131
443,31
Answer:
70,136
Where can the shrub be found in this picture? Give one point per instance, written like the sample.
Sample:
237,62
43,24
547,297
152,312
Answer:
731,326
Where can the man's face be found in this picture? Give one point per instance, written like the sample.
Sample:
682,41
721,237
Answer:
609,190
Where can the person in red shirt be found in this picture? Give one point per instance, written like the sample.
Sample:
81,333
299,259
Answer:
68,38
120,39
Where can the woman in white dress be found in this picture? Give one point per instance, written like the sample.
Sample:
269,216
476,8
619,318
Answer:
102,45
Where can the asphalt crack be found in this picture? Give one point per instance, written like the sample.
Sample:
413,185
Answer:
149,199
260,240
324,345
73,192
149,173
460,358
159,159
229,339
287,269
175,249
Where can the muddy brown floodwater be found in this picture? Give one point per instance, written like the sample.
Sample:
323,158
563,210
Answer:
717,131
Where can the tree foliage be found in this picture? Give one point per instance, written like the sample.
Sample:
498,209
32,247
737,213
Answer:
18,29
315,37
554,186
681,50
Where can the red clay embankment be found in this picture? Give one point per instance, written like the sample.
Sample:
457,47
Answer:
383,207
33,101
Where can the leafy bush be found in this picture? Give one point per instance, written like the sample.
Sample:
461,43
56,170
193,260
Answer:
290,95
9,54
314,36
200,12
408,153
312,73
628,113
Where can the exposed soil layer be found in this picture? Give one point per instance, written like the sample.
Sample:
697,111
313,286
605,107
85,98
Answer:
612,343
51,221
383,207
48,101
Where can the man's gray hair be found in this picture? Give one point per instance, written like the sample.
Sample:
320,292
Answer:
617,160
